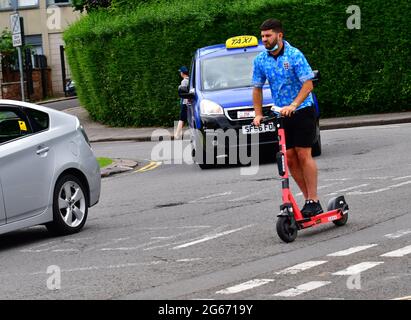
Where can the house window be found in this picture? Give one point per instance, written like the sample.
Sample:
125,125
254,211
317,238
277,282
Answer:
7,4
28,3
51,2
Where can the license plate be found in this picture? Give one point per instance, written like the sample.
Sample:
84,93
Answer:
264,127
245,114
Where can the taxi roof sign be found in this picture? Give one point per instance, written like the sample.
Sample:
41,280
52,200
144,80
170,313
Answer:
241,42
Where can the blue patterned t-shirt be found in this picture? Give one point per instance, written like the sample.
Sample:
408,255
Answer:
285,75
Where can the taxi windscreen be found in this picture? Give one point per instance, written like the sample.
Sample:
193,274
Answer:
227,72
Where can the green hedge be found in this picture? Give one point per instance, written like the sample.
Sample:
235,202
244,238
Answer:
126,64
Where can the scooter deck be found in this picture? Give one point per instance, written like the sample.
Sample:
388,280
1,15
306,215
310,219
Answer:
322,218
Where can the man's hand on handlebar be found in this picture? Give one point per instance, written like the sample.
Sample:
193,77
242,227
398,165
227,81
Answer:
288,111
257,120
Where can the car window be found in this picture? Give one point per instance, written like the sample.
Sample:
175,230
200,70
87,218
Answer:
12,126
39,120
227,72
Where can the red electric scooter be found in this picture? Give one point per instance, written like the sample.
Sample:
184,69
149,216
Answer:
290,219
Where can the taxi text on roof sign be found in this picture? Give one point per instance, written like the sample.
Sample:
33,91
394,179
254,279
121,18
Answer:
241,42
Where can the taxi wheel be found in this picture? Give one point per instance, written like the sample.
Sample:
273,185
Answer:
204,163
316,149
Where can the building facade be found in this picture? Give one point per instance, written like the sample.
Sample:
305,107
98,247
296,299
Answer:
44,23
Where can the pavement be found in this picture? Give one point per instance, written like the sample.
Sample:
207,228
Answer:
102,133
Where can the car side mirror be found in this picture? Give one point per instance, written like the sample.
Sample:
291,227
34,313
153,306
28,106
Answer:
316,78
185,93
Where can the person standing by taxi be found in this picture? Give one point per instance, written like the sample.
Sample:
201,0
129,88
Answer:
289,76
183,103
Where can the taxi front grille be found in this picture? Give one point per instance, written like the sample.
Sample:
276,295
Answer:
232,113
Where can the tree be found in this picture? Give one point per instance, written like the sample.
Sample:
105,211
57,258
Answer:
90,5
8,53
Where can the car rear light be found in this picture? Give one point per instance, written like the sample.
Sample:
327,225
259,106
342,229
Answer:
83,132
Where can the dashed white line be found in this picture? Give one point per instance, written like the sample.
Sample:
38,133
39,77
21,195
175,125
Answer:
245,286
211,237
398,253
357,268
216,195
301,267
347,189
398,234
351,250
401,178
357,193
304,288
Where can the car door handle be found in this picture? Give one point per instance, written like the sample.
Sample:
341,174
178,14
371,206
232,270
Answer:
42,150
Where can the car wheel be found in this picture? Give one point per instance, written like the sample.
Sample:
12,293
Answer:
316,148
70,206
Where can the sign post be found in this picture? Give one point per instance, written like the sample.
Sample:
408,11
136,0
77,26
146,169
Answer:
18,42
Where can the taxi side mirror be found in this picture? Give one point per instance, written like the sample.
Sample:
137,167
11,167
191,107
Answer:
185,93
316,78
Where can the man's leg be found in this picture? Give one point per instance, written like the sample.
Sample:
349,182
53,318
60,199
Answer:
309,171
179,130
297,171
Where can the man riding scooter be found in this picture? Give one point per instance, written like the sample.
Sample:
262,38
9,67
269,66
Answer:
289,76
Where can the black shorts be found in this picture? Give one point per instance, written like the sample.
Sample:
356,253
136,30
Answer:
300,128
183,112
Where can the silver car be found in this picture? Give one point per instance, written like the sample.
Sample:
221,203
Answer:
48,172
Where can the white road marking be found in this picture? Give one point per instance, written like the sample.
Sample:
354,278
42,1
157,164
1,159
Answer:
156,241
358,193
357,268
189,260
401,178
245,197
38,250
347,189
65,250
95,268
304,288
216,195
182,227
398,253
351,250
319,188
398,234
245,286
211,237
301,267
160,238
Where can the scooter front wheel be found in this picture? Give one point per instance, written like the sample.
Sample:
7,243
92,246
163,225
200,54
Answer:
285,231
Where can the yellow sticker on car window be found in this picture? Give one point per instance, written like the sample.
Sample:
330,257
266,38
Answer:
23,126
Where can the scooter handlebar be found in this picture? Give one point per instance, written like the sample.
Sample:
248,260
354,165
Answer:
275,114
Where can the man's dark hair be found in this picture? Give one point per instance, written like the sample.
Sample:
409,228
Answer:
272,24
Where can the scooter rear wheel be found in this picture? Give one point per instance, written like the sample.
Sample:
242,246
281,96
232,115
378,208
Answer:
285,231
341,222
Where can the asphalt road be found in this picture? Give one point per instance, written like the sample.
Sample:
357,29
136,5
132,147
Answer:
173,231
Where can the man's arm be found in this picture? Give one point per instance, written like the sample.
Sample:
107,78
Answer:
258,105
302,95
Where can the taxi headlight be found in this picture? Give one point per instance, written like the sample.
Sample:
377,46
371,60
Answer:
209,107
